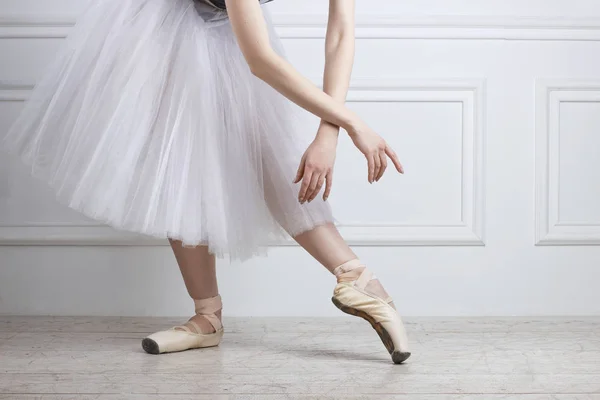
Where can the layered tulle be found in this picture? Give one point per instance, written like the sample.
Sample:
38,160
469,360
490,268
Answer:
151,121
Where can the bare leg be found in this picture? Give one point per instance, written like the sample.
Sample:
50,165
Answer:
328,247
197,267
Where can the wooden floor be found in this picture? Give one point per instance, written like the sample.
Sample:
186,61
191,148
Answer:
340,358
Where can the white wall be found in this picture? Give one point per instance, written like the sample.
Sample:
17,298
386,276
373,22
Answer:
494,109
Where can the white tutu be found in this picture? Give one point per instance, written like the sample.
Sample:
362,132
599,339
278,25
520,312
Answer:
151,121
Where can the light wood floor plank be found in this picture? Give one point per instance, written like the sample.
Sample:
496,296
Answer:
300,359
301,397
443,341
341,324
335,381
280,358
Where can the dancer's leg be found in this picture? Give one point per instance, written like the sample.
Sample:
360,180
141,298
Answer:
328,247
199,274
358,291
197,268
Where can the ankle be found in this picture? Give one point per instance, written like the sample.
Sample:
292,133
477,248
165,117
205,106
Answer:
350,276
348,271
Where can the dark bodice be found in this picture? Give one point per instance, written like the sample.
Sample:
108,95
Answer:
214,10
220,4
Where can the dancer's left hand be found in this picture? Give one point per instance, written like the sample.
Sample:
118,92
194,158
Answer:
316,166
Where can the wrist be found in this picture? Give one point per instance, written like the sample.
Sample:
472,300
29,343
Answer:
351,124
328,131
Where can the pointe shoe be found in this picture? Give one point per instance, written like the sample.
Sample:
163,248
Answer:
352,298
182,338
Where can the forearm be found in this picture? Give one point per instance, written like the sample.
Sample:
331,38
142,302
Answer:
338,68
339,59
279,74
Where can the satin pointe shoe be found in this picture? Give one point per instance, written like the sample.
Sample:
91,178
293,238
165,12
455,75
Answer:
189,335
352,296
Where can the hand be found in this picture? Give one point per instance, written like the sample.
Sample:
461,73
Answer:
316,166
375,149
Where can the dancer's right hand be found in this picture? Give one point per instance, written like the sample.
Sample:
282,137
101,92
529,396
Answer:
375,150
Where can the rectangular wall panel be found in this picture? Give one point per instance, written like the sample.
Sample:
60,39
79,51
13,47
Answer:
567,144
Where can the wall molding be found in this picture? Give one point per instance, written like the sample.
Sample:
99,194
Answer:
470,93
469,231
14,92
549,230
307,26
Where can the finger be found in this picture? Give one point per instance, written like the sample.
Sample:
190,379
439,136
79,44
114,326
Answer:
392,155
320,183
300,172
304,187
312,188
328,185
371,166
383,160
377,161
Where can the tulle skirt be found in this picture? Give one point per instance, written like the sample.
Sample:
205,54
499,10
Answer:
150,121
